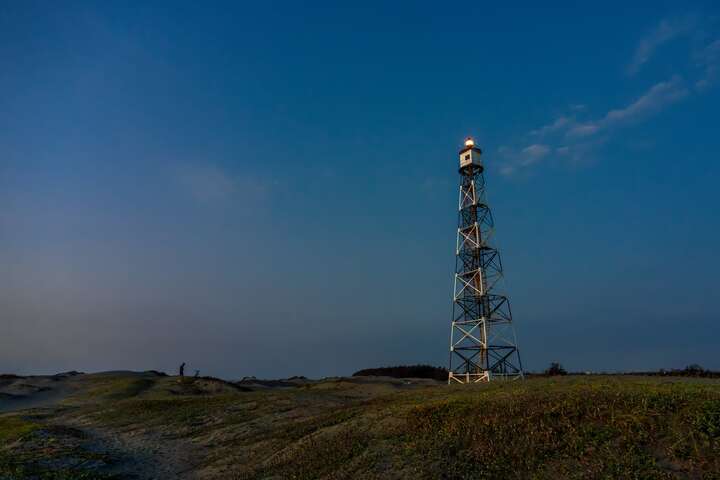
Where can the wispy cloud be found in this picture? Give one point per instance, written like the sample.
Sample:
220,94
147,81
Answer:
658,97
514,160
209,184
536,152
666,31
574,137
709,61
654,100
570,139
556,125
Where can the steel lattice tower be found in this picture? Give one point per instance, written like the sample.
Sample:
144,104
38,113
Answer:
483,345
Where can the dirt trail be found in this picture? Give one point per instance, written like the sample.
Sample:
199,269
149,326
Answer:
141,454
107,423
62,404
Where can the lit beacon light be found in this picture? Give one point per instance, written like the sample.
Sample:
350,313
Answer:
470,154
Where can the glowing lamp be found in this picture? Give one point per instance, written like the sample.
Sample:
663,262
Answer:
470,154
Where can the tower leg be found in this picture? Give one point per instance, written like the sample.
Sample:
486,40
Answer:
483,344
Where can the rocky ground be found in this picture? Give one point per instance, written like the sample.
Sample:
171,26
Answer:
147,425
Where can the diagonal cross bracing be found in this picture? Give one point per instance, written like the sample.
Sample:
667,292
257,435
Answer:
482,337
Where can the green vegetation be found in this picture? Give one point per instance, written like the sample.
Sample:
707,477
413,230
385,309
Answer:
118,388
574,428
609,429
545,428
30,450
14,428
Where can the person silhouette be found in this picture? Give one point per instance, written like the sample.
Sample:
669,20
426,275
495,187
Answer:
182,369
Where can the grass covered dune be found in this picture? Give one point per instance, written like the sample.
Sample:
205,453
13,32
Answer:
150,426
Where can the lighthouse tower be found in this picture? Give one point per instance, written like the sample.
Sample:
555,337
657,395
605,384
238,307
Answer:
483,345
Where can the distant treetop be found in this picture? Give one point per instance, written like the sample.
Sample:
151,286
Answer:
405,371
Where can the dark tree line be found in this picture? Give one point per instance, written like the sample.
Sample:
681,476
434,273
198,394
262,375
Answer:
406,371
694,370
555,369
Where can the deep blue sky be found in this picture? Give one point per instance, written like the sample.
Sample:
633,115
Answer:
270,188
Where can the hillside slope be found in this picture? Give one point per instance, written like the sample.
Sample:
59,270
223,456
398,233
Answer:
125,425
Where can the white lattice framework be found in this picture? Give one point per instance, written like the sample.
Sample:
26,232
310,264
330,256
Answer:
483,345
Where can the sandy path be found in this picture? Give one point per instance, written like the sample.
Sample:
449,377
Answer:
141,454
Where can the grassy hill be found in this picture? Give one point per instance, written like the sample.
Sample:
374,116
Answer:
143,425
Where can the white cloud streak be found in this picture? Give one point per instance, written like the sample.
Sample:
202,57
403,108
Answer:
535,152
572,138
709,61
559,124
666,31
655,99
578,139
515,160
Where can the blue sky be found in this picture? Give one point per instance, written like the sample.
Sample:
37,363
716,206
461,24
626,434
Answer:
270,188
